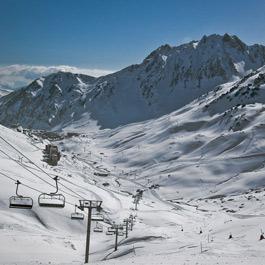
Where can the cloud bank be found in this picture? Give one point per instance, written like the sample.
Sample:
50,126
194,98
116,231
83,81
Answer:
16,76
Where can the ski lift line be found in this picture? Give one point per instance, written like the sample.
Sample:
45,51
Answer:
29,187
39,167
78,197
61,178
42,171
34,189
25,167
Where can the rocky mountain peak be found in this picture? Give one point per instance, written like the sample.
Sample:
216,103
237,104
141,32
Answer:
169,78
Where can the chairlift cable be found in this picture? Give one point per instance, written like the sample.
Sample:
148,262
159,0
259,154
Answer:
22,165
40,177
69,203
29,187
40,167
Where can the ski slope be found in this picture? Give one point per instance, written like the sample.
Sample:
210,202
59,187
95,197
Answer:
201,169
207,178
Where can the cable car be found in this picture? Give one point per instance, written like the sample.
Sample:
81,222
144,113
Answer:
20,201
53,200
76,215
98,228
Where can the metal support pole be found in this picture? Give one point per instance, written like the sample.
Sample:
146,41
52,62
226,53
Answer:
126,232
116,238
88,234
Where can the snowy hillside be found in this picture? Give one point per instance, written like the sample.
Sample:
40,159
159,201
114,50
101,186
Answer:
183,149
167,79
201,169
4,92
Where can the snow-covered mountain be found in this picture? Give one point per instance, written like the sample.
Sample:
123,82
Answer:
201,168
13,77
166,80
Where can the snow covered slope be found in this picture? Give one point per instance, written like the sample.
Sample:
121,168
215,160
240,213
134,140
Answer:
214,145
201,168
167,79
4,92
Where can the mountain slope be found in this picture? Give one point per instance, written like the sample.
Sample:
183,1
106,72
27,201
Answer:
166,80
212,146
197,169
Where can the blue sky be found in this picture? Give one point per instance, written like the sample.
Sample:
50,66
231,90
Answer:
111,34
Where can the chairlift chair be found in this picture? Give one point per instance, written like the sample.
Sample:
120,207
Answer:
97,217
98,228
76,215
111,229
108,233
20,201
120,233
53,200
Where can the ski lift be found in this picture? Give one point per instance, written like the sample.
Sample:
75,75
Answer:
97,217
53,200
111,229
120,233
76,215
19,201
98,228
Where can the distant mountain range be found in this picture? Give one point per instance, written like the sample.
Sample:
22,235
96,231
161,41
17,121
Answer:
13,77
166,80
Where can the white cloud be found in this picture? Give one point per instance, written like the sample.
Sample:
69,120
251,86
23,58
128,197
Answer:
15,76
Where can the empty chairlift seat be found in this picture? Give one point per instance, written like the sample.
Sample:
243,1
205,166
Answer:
120,233
110,232
53,200
97,217
98,228
76,215
111,229
20,201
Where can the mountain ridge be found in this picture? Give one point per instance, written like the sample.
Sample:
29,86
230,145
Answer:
166,80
